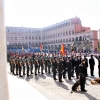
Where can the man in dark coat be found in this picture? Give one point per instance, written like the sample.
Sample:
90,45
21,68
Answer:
69,68
77,62
73,65
54,68
86,63
99,66
60,69
82,73
64,67
92,63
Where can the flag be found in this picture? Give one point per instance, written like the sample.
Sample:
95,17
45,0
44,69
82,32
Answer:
98,46
41,47
62,50
22,48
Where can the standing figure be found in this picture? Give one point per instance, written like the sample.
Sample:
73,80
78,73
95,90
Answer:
17,67
60,69
54,68
73,65
64,68
36,66
69,67
82,73
86,63
28,68
49,65
42,65
14,67
20,68
77,62
92,63
99,66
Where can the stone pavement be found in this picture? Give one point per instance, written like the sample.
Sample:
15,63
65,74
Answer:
53,90
19,89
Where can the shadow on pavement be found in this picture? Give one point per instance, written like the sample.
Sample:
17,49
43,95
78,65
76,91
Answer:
90,97
69,81
27,79
49,75
42,76
62,85
36,78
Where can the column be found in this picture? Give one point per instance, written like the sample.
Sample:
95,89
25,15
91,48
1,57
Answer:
3,73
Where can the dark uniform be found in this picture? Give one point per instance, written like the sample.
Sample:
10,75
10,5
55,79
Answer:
36,65
49,65
64,68
28,68
42,64
20,66
60,69
99,66
54,68
73,65
69,68
92,63
86,63
77,62
82,72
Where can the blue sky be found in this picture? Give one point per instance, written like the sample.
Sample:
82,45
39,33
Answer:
42,13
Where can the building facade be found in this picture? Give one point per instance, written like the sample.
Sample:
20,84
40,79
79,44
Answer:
70,32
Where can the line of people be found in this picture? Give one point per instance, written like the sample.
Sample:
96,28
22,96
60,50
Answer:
24,65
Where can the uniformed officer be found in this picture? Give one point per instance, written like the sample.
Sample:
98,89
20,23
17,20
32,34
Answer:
82,75
69,67
20,66
36,65
92,63
54,68
42,64
60,69
77,67
86,63
99,66
73,65
64,67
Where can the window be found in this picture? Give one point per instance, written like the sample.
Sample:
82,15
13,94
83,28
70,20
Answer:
73,31
76,39
69,32
26,37
15,38
67,40
73,39
56,41
32,37
63,33
66,33
22,38
63,40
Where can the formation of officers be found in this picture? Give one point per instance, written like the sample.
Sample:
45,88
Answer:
22,65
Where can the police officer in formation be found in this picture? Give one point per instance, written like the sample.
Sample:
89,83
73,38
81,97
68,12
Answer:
92,63
82,75
22,65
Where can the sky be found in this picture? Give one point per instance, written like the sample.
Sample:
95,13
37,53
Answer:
42,13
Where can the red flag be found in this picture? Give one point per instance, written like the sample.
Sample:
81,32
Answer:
41,47
62,50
